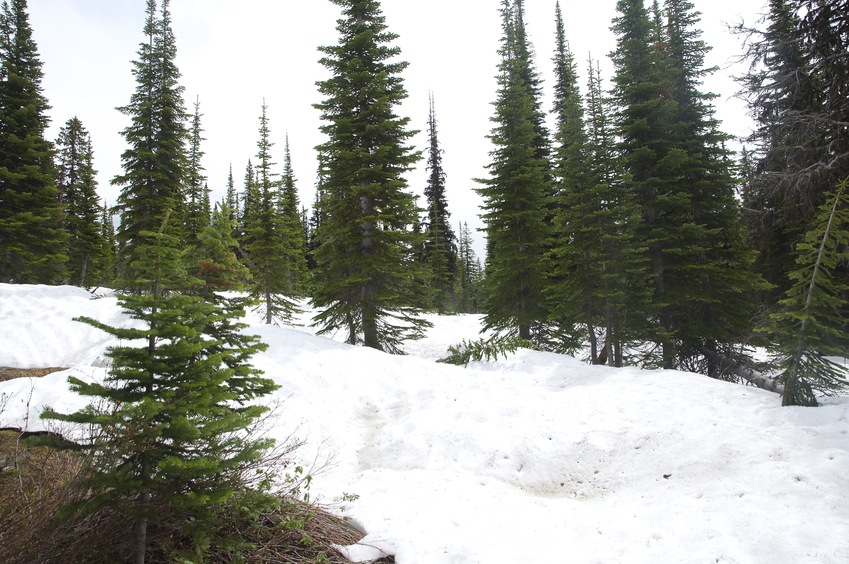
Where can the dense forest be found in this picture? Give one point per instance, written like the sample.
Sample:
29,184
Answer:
618,221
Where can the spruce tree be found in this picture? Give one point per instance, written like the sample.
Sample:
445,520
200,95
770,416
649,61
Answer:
270,244
197,194
720,312
292,229
440,247
32,242
469,273
213,260
810,324
571,285
155,162
170,416
678,168
363,269
517,193
88,249
796,89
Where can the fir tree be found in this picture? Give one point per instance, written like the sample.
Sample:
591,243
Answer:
810,324
32,243
270,244
440,247
797,93
155,162
570,286
469,273
197,194
516,195
171,413
292,229
88,249
213,260
363,272
682,177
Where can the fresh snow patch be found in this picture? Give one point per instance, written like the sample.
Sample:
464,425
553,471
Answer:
533,458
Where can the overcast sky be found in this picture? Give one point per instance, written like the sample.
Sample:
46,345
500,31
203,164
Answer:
233,54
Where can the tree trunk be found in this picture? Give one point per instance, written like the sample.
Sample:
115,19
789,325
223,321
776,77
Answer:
751,376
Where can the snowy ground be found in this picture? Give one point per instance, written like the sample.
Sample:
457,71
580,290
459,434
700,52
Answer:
537,458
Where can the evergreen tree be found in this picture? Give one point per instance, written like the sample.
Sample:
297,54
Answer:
516,195
88,249
213,260
170,415
797,93
197,194
810,324
469,273
108,274
270,245
297,273
32,243
682,177
721,311
570,286
440,247
363,271
155,162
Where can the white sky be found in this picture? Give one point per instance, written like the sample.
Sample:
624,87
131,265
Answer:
234,54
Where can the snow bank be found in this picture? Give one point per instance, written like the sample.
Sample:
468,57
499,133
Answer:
536,458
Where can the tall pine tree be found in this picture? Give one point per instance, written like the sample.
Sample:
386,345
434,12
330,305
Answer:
440,247
293,231
88,250
363,268
681,174
517,193
32,242
155,161
270,244
197,194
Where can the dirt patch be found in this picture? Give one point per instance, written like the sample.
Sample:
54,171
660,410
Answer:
7,373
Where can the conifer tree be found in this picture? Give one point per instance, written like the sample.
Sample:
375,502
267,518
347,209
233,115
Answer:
363,268
469,273
681,174
517,193
197,193
270,245
570,286
213,260
108,274
810,324
297,274
155,162
171,413
440,247
88,249
32,242
797,93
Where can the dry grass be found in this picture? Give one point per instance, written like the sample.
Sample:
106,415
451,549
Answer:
7,373
36,481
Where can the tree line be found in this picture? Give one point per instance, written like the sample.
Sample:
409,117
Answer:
618,218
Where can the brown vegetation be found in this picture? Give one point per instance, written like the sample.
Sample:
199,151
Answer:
37,481
7,373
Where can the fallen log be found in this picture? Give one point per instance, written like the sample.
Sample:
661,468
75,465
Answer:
733,366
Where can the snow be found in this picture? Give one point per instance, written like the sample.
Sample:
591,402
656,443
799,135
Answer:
533,458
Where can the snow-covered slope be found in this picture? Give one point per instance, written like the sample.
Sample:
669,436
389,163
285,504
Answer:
536,458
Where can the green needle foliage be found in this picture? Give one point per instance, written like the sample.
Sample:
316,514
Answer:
169,420
810,325
365,274
32,242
